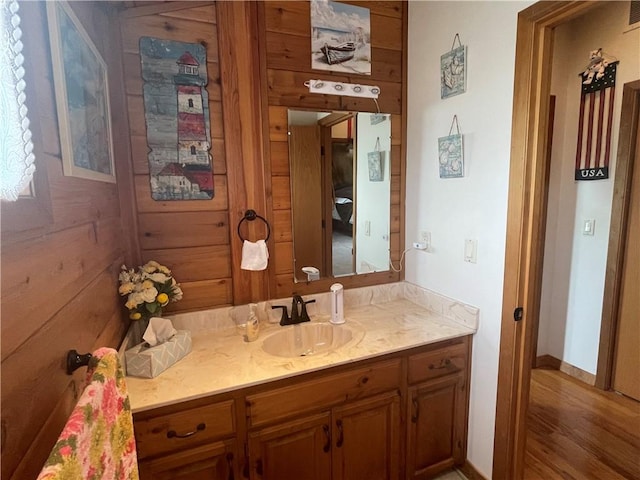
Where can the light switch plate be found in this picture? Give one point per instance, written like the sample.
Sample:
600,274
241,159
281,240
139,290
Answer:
589,227
471,250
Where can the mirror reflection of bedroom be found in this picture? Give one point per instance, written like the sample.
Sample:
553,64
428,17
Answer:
334,229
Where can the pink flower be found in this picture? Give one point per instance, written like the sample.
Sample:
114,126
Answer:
66,451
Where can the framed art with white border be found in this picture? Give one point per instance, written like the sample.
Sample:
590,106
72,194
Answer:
82,97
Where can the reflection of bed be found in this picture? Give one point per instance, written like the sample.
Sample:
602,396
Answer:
343,209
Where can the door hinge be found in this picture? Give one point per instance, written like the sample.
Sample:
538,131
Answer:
518,313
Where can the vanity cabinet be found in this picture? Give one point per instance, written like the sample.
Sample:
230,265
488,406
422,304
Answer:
403,416
355,441
197,443
344,426
437,409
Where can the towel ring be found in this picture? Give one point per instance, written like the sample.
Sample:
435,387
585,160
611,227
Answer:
75,361
251,215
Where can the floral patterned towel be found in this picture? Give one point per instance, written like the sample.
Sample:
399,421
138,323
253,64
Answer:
97,442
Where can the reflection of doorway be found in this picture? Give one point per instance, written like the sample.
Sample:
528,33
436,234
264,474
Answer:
525,225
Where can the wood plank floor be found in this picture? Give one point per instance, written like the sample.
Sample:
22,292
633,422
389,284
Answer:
576,431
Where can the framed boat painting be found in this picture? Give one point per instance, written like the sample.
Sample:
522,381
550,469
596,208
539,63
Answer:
340,37
82,97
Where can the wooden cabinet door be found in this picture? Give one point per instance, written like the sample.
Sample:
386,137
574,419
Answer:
300,450
366,439
216,461
436,416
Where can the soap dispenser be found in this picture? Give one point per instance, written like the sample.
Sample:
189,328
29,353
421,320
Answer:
253,323
337,303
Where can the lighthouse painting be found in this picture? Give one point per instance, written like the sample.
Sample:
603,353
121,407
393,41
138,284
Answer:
176,107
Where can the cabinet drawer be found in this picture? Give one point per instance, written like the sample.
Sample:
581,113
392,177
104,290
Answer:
437,363
324,392
169,433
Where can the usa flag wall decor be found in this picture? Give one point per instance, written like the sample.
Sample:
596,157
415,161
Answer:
596,117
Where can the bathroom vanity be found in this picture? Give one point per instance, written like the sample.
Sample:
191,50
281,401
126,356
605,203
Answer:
390,403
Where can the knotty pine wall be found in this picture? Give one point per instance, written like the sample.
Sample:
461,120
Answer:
61,254
286,34
191,237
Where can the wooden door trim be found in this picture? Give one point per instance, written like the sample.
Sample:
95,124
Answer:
524,223
617,231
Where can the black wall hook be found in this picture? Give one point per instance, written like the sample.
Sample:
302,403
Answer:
251,215
76,360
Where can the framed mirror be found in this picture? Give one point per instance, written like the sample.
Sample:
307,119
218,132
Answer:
340,192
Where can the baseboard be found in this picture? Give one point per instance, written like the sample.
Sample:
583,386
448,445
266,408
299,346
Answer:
469,471
549,361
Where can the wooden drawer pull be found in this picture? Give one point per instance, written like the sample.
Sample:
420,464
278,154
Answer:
444,363
172,433
416,410
340,434
327,433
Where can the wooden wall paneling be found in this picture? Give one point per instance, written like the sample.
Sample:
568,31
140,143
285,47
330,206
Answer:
146,7
403,140
282,227
178,29
284,257
34,376
281,193
39,277
35,456
243,113
196,263
121,145
183,229
286,88
279,126
279,158
394,226
203,294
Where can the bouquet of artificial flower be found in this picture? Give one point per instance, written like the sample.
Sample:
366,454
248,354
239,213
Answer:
148,290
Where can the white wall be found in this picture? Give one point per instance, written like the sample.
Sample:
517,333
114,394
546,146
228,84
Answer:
474,206
574,266
373,198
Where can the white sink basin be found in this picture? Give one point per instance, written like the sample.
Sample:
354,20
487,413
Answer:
306,339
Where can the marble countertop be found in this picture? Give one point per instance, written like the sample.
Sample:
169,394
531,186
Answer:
222,360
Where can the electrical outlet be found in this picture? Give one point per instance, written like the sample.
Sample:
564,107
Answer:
425,237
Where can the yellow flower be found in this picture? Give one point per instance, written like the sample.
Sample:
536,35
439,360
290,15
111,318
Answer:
126,288
135,316
163,299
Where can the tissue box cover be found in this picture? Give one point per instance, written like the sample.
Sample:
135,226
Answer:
149,362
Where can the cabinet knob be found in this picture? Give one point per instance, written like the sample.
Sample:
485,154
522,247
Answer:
327,434
174,434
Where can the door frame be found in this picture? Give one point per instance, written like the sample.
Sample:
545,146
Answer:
625,160
525,224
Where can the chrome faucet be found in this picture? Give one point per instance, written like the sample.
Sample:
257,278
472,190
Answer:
298,311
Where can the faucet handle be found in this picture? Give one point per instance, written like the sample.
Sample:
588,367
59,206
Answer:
284,320
304,316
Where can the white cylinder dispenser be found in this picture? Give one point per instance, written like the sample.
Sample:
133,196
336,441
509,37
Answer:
337,303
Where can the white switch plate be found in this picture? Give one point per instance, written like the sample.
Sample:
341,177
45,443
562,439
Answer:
471,250
589,227
367,228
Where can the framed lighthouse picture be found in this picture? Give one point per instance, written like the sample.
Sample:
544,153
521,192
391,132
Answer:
176,108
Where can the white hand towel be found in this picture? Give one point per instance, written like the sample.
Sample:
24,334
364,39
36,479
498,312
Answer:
159,331
255,256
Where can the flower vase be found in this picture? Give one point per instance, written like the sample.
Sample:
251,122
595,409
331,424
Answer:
138,328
